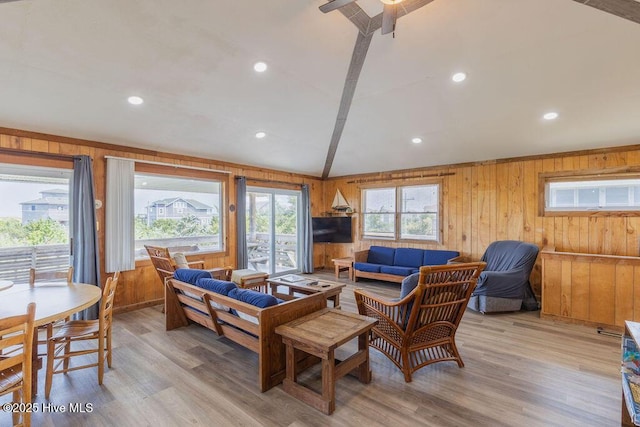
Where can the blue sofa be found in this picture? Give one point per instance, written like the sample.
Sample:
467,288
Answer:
394,264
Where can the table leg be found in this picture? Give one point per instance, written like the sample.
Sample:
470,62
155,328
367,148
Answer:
329,383
290,358
364,372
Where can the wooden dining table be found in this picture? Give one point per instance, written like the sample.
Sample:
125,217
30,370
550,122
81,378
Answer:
54,301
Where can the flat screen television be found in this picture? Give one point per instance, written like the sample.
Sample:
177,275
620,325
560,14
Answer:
331,229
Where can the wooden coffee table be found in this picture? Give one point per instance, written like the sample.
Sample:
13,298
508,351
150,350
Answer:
331,290
319,334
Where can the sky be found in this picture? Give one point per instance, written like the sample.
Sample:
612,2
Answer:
13,193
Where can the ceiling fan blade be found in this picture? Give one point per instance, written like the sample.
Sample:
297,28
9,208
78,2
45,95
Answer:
334,4
388,18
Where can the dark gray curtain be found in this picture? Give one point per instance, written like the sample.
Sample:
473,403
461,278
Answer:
241,219
307,231
84,243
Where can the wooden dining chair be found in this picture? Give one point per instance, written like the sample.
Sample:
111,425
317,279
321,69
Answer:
16,336
59,349
420,328
46,278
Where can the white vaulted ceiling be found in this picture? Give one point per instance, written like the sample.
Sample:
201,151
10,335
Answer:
68,66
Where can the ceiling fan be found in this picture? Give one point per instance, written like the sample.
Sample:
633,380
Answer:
389,13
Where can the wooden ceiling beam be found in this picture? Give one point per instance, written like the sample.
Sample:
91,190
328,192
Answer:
355,67
627,9
367,26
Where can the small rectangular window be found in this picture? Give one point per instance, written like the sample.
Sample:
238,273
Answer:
591,194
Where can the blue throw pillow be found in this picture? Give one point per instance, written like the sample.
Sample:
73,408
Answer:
253,297
408,284
190,275
221,287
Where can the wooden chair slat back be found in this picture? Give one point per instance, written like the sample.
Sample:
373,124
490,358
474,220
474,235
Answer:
16,336
447,290
108,295
162,261
50,275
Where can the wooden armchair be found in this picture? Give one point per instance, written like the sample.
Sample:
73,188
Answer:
420,328
165,265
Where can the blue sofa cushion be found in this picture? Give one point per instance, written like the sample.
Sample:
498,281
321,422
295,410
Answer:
221,287
398,271
380,255
365,266
437,257
408,284
253,297
190,275
415,270
408,257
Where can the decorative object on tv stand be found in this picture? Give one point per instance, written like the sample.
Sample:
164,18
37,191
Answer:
339,202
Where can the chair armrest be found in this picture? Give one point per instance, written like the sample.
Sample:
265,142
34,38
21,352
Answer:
361,256
199,263
460,259
361,294
390,314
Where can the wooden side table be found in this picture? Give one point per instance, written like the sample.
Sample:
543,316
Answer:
343,264
319,334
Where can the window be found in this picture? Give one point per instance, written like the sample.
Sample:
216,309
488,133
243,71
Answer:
34,219
589,194
181,213
405,212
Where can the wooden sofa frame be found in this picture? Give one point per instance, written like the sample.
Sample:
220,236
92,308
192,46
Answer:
361,256
181,308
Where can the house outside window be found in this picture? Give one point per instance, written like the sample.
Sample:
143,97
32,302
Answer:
181,213
34,220
410,212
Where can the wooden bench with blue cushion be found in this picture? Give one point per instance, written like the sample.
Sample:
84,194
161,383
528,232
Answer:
394,264
245,316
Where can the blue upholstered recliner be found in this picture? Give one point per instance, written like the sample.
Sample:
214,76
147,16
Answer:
504,283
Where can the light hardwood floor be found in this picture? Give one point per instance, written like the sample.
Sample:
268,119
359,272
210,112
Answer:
520,371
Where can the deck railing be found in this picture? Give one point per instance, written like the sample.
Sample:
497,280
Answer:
15,262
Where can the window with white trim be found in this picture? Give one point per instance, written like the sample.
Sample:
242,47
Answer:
410,212
591,194
178,212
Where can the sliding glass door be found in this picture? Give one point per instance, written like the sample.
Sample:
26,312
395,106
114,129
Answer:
273,230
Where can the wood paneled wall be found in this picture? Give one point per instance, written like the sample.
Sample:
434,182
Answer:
142,287
593,289
482,203
498,200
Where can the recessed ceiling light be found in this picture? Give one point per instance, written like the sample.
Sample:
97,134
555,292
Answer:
416,140
551,115
260,67
459,77
144,183
135,100
260,134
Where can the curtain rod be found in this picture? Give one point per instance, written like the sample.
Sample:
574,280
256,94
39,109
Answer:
42,154
149,162
433,175
270,181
